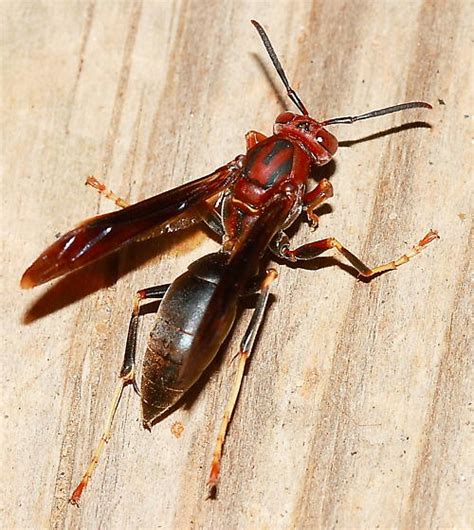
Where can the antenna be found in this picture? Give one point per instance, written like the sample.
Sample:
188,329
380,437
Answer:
379,112
333,121
276,63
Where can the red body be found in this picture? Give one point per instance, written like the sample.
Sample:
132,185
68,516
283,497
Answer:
278,164
274,165
260,194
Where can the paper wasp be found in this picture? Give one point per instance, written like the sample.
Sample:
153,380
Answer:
248,203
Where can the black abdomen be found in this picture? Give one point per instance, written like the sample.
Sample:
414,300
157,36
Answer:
178,352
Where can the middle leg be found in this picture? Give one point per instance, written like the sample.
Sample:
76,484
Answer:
208,213
106,192
314,249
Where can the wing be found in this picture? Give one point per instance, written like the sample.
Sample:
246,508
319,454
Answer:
231,282
101,235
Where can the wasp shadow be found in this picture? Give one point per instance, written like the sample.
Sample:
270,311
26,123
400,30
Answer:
386,132
106,271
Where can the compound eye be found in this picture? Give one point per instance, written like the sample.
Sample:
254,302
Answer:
327,140
285,117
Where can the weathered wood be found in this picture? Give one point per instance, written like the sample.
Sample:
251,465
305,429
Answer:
356,409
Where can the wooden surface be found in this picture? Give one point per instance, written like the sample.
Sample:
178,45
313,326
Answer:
356,411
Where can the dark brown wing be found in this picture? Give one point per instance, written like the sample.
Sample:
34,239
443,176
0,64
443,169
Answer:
101,235
233,281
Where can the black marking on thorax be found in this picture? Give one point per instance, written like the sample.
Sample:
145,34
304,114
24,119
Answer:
284,168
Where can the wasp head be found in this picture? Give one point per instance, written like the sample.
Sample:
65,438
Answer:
315,139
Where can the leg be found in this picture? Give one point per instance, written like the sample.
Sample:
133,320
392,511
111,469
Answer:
208,213
127,373
103,190
315,198
252,138
127,376
211,218
312,250
246,347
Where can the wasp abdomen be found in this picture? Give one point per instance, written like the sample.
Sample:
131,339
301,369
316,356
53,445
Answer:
178,348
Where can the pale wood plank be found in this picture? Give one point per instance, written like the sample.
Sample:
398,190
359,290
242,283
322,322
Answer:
356,409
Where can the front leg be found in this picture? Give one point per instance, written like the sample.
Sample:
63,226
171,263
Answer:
314,198
310,251
252,138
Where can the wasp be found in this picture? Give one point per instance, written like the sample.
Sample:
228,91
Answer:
248,203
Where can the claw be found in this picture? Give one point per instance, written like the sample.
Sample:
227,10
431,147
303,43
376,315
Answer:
135,387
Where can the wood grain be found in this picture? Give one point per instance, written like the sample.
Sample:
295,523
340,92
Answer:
357,408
